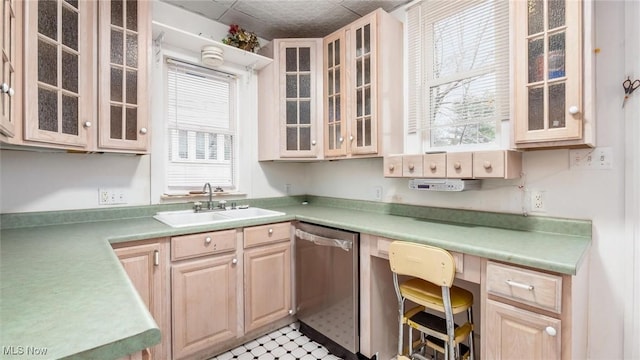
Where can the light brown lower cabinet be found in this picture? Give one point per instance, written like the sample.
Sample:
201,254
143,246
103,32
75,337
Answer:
147,263
267,275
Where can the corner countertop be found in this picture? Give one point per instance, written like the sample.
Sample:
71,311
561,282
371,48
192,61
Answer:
63,290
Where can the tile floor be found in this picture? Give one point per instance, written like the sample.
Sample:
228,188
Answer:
286,343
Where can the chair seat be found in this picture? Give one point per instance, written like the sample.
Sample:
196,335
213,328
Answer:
435,326
430,295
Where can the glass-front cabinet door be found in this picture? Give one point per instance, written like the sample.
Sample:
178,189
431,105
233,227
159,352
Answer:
123,102
335,127
58,71
8,79
298,97
362,60
548,73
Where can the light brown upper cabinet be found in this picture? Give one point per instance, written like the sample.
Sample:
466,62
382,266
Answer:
289,101
71,104
10,44
363,88
124,32
553,74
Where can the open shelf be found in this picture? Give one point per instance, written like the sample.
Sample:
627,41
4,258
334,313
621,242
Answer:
189,41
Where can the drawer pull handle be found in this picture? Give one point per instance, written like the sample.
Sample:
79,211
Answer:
156,258
207,240
487,165
550,331
411,167
457,165
519,285
433,166
234,261
270,231
392,167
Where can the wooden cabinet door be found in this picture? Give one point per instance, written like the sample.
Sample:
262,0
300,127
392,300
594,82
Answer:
124,38
203,303
146,268
334,74
515,333
299,97
548,71
10,36
267,276
362,62
59,72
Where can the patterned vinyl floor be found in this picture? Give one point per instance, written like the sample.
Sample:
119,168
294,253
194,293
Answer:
286,343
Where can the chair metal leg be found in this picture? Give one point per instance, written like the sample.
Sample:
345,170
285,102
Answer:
400,313
471,340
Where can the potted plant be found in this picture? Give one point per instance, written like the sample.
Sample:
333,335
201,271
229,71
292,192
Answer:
242,39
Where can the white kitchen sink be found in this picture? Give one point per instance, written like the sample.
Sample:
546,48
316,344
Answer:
183,218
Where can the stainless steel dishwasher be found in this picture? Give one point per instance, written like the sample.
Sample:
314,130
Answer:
327,287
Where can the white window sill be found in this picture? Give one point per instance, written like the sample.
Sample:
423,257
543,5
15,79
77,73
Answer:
201,196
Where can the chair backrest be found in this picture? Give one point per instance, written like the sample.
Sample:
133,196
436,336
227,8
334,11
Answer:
426,262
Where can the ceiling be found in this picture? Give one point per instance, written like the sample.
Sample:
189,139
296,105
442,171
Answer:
271,19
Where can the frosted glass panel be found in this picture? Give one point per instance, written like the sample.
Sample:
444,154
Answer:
48,18
332,136
330,82
337,108
367,101
556,55
132,50
358,72
305,86
330,102
117,38
117,13
367,70
367,39
132,124
291,59
69,71
305,138
116,84
367,131
359,42
47,110
337,52
292,138
116,122
536,60
70,115
73,3
359,132
337,87
69,28
292,86
557,106
330,54
556,13
536,108
305,112
305,59
132,87
292,112
536,16
359,96
47,63
132,14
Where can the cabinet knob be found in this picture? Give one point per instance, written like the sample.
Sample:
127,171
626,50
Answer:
350,137
550,331
433,166
411,167
573,110
290,311
270,231
341,139
313,142
4,88
87,124
487,165
143,131
207,240
457,165
392,167
234,261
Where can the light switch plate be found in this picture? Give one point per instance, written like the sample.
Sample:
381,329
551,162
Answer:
591,159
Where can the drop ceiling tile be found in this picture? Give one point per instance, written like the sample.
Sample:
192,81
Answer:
208,8
364,7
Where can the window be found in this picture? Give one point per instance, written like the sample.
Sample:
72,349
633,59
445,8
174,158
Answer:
458,68
201,127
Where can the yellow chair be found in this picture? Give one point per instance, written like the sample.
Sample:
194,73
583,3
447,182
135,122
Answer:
431,287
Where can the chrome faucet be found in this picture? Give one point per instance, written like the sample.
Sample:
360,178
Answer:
210,202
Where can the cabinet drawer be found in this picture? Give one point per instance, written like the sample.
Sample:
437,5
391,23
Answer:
435,165
529,287
459,165
188,246
497,164
412,166
393,166
265,234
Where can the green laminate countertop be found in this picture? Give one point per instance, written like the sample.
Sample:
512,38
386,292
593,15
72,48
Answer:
63,290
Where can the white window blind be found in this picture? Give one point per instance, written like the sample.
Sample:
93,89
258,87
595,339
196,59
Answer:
458,68
201,127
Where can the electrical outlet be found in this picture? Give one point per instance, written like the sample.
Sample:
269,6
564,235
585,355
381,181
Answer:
537,201
112,196
103,197
377,193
